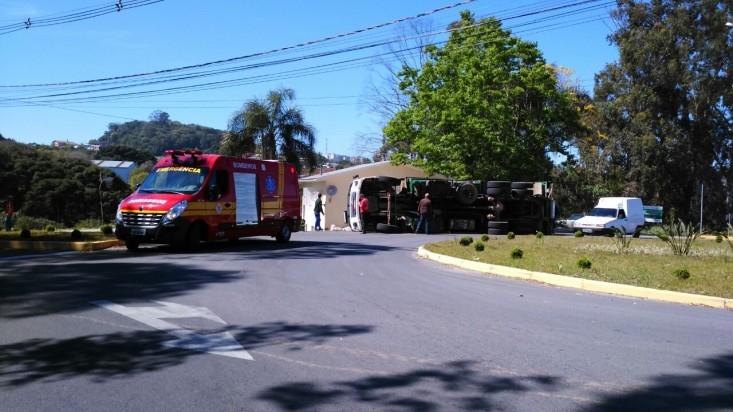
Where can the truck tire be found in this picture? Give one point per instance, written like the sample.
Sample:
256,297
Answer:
467,194
522,185
283,235
387,228
497,188
132,245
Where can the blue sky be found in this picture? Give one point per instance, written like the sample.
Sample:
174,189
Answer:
249,40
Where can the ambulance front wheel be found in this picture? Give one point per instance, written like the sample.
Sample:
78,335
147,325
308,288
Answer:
284,234
132,245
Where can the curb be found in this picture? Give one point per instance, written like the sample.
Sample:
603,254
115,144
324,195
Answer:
88,246
583,284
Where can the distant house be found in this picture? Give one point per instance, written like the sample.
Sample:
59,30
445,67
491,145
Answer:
63,144
120,168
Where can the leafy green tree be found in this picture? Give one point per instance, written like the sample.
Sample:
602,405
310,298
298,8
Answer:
272,129
124,153
664,110
155,137
485,106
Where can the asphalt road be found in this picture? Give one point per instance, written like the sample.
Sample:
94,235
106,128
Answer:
336,321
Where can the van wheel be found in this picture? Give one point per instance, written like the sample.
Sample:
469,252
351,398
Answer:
132,245
193,239
284,234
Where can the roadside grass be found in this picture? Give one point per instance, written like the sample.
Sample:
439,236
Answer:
58,236
647,263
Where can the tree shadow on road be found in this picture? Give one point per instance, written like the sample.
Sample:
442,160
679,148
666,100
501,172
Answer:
48,284
31,290
710,388
462,386
115,355
457,385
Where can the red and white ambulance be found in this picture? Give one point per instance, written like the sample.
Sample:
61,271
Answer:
190,197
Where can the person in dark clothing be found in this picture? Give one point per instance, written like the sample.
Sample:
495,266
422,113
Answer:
318,210
9,209
425,210
363,211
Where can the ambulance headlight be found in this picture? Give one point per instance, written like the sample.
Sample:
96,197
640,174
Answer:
175,211
118,216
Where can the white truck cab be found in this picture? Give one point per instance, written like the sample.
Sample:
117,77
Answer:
623,213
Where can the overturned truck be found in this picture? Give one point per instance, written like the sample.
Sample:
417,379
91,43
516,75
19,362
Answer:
460,206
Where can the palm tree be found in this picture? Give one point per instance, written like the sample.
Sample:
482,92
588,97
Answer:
272,129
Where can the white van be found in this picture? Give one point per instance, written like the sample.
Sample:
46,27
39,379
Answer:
623,213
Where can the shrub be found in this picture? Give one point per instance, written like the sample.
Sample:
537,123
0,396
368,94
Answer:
540,237
584,263
579,233
728,235
31,223
621,240
517,253
510,235
682,273
106,229
50,228
484,237
75,234
479,246
465,241
679,236
718,239
25,234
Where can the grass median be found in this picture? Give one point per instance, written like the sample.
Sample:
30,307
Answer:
644,262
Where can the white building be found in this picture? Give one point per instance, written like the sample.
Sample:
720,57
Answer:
334,187
120,168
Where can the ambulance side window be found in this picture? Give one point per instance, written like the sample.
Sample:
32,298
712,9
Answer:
218,185
222,179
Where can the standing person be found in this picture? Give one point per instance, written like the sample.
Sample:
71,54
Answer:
425,210
318,210
9,209
363,211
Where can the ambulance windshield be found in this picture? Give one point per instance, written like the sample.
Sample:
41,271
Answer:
175,179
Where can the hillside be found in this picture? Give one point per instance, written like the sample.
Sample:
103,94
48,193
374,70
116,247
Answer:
157,136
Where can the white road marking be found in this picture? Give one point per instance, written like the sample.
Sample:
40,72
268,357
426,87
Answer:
222,343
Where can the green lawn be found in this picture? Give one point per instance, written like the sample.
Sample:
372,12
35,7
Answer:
647,263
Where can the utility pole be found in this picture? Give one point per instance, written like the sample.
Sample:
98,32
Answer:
702,195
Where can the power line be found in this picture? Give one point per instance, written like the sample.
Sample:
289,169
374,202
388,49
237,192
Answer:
82,14
78,92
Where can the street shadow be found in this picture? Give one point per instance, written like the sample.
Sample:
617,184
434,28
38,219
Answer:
30,290
709,388
269,250
46,284
116,355
458,384
463,386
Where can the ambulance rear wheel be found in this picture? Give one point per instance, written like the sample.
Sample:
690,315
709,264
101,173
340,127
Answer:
284,234
132,245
